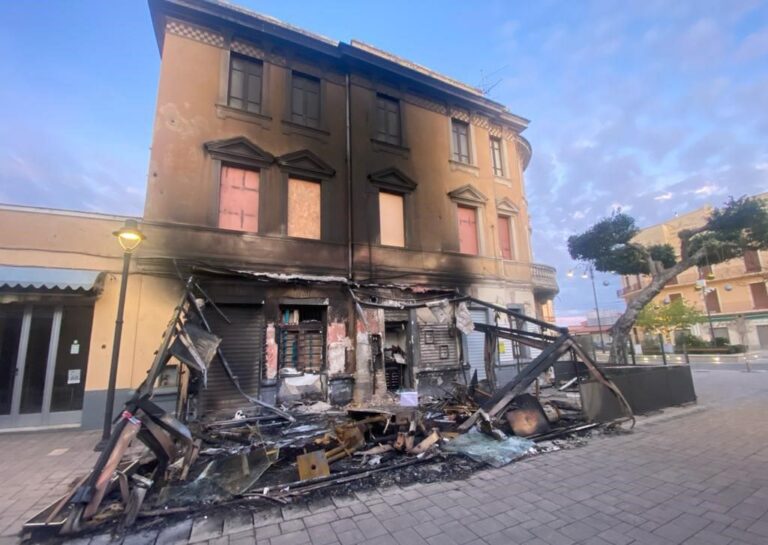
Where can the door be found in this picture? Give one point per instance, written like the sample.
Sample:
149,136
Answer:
762,336
41,373
476,345
242,343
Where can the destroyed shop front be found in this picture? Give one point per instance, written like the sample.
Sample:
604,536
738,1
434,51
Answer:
294,338
224,443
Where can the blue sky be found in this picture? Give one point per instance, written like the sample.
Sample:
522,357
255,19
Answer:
653,106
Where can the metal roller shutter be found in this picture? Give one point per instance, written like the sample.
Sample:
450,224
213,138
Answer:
243,346
476,345
396,315
441,338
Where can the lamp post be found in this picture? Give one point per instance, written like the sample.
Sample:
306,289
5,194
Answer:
589,272
129,236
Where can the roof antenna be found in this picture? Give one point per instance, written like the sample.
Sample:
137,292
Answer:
489,81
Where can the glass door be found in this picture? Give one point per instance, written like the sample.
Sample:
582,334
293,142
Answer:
34,389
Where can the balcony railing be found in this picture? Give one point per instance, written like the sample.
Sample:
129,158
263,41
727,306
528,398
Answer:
544,277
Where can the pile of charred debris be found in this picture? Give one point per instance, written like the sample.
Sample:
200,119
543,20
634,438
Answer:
158,464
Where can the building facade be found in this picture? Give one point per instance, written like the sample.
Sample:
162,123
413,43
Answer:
314,187
732,294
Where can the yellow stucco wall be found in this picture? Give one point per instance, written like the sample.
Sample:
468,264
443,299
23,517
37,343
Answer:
59,239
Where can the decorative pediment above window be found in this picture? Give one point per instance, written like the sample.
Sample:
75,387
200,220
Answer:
505,206
239,150
392,179
305,163
469,195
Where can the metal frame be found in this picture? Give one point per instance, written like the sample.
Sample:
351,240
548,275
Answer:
15,419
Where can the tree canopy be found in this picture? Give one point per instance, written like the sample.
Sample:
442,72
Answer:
609,245
742,224
665,319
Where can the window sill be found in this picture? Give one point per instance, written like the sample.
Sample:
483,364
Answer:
464,167
312,132
224,111
503,180
381,145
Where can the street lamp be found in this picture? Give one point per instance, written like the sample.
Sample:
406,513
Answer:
702,285
589,272
129,236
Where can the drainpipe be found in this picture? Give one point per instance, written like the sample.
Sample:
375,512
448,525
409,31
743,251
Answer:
349,176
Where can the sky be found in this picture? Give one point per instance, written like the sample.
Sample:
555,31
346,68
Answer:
651,106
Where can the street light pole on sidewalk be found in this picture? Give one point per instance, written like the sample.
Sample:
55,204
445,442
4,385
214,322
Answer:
129,236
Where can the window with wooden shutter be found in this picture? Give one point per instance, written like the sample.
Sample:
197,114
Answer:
759,295
392,219
239,199
505,237
752,261
712,301
467,230
303,208
305,100
388,120
245,79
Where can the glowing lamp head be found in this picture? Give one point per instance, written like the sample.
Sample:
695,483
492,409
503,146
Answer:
129,236
584,275
569,274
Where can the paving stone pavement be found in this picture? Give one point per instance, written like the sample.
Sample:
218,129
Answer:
688,476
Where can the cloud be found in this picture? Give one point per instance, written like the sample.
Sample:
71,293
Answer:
663,197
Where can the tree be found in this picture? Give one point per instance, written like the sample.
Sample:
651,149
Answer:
666,319
740,225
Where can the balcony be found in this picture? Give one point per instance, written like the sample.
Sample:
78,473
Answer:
544,279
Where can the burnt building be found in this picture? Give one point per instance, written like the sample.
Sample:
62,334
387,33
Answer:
306,177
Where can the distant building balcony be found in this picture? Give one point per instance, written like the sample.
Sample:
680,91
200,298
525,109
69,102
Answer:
544,279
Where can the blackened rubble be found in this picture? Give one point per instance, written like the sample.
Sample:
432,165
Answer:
157,464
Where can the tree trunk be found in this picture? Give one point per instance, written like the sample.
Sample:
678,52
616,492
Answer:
620,331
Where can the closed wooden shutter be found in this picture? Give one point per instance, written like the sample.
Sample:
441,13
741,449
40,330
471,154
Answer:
467,230
712,301
239,199
301,346
751,261
243,345
505,240
759,294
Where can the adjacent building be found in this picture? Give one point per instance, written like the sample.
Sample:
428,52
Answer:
733,294
313,186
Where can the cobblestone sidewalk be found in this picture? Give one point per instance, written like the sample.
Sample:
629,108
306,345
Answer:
697,479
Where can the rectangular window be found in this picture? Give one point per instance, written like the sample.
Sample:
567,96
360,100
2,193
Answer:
712,301
392,219
759,294
496,157
245,77
675,297
388,120
752,261
468,230
303,209
460,131
705,272
305,100
722,333
505,237
239,199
